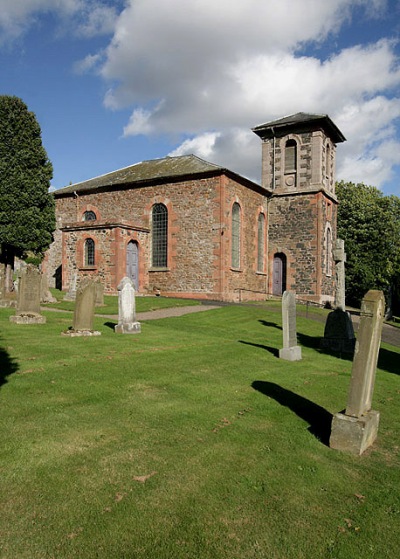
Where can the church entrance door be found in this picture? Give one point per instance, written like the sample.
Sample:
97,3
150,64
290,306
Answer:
279,274
132,263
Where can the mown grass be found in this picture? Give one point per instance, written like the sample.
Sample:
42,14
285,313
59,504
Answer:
189,440
143,304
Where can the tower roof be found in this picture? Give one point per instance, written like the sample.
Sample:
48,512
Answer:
300,122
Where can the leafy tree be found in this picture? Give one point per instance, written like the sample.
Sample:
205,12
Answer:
27,214
369,223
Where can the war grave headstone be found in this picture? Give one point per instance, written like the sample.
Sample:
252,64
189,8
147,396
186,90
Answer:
356,429
127,323
71,293
339,332
28,300
290,351
84,311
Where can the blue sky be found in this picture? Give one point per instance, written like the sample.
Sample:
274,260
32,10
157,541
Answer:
117,82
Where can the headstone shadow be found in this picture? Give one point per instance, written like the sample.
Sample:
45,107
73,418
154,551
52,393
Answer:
273,350
8,366
318,418
389,361
111,325
270,324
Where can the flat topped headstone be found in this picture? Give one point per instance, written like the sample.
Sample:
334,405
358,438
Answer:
290,351
357,428
127,323
28,301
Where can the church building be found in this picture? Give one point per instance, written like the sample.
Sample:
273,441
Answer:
184,227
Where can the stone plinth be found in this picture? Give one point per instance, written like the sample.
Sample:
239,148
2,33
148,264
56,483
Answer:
28,319
290,353
130,328
354,434
79,333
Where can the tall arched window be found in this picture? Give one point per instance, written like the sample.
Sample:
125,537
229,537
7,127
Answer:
235,235
328,251
89,216
328,164
160,236
260,242
290,156
89,252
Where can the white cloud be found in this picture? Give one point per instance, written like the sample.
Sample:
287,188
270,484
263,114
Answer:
206,71
82,17
215,69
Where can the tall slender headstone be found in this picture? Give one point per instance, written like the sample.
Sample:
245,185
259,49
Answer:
127,323
290,351
84,310
339,256
357,428
339,332
28,301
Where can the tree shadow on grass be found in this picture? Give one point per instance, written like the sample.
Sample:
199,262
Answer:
8,366
316,416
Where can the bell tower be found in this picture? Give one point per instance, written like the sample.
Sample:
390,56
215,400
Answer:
298,167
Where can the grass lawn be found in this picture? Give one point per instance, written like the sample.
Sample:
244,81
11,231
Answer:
189,440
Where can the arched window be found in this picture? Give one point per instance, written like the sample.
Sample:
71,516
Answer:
328,251
290,156
260,243
235,235
160,236
89,216
89,252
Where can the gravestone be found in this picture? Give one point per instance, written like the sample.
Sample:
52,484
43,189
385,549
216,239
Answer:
45,293
99,293
84,310
356,429
127,323
71,293
290,351
339,332
28,300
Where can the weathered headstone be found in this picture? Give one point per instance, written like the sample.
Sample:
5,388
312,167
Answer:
356,429
339,332
290,351
84,310
127,323
28,301
71,293
99,293
339,256
45,293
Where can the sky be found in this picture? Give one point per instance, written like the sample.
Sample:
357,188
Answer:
113,83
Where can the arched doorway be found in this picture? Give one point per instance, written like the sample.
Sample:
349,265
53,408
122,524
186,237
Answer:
132,263
279,274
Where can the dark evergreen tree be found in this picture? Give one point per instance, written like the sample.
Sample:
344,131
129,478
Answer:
27,211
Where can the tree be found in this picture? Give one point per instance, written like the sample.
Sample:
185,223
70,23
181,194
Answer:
27,210
369,223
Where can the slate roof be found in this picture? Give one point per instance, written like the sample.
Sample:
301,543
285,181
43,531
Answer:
153,171
299,121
